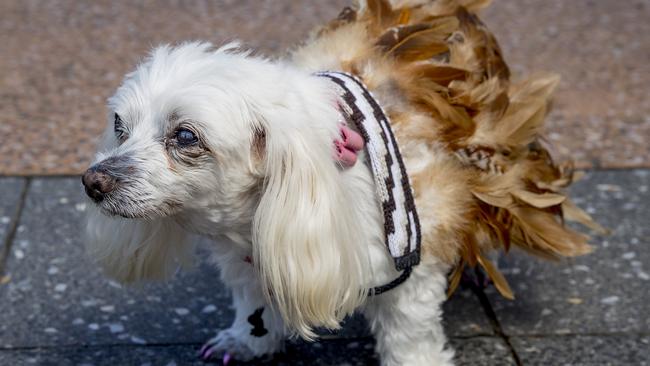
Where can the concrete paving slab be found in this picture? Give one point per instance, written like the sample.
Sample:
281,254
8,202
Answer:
604,292
10,190
482,351
463,315
579,350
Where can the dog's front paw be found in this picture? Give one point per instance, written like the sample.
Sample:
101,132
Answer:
228,345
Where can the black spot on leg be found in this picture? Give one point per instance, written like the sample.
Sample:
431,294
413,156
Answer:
257,322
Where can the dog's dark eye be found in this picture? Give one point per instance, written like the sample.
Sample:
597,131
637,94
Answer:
118,127
185,137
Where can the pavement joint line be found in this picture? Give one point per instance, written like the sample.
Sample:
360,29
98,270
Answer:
6,248
588,334
494,321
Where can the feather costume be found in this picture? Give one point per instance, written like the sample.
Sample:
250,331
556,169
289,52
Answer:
471,137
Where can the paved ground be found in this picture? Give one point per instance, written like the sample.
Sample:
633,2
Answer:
63,58
57,309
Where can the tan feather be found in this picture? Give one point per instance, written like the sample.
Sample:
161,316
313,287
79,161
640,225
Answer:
572,212
499,281
439,74
540,233
404,16
453,115
474,5
454,278
379,13
425,43
389,39
542,200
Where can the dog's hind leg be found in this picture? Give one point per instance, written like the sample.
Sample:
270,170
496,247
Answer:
406,320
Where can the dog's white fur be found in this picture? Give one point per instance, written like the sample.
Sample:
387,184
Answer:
266,186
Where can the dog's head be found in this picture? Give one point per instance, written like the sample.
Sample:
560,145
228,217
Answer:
221,141
180,133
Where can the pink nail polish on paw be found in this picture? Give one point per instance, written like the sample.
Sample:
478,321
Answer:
206,355
226,359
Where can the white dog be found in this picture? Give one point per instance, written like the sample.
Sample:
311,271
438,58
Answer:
238,148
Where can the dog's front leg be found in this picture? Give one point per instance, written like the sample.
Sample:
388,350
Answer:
257,329
406,320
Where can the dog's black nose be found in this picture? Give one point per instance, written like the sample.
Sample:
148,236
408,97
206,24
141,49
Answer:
97,183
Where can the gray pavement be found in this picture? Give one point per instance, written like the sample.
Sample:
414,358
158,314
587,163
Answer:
57,309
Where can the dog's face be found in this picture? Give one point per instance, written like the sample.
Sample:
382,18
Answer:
179,137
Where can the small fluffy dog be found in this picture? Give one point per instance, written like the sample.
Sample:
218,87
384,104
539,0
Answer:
239,148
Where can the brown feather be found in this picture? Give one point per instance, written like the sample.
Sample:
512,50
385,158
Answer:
499,281
420,45
380,14
439,74
574,213
454,278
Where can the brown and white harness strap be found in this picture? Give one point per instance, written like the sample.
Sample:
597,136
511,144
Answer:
393,187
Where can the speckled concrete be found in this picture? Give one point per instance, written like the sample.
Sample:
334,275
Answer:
482,351
464,316
62,58
604,292
57,297
580,350
323,353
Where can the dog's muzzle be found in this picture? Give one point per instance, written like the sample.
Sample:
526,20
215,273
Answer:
99,180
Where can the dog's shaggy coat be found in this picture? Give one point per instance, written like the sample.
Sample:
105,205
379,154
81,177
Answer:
298,238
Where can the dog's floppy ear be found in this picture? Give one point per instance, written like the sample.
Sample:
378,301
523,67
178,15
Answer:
305,244
131,250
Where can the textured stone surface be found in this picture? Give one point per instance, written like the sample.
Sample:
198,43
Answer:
604,292
56,296
62,58
10,190
463,315
332,352
600,49
57,309
577,350
482,351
